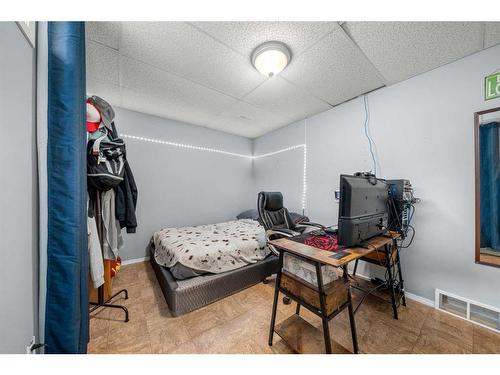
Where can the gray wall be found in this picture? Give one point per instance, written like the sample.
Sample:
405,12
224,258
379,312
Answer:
423,129
178,186
283,171
18,222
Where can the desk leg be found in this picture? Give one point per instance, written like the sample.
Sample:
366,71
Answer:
297,310
400,273
388,254
324,313
355,267
275,301
353,325
352,322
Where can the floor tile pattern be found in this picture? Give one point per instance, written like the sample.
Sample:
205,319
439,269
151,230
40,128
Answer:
240,324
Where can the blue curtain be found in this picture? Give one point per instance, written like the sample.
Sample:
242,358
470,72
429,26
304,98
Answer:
66,313
490,184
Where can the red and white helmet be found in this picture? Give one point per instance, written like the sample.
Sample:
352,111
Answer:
94,117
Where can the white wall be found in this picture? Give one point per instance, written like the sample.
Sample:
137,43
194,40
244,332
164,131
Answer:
179,187
423,129
18,200
283,171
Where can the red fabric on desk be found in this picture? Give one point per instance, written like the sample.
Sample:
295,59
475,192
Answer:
328,242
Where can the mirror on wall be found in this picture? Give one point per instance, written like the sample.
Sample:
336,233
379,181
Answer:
487,141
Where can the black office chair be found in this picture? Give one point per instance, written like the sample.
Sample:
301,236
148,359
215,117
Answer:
277,220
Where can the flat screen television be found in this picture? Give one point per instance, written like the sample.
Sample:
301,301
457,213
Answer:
363,212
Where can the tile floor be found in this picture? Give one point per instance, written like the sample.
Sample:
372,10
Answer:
240,323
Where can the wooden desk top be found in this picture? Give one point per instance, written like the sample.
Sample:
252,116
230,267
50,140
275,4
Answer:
324,257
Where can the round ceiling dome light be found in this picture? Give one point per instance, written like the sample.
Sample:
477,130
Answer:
271,58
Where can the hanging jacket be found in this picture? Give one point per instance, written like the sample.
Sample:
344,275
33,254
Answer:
112,241
126,201
95,253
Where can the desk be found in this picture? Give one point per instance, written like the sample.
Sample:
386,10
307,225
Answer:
325,301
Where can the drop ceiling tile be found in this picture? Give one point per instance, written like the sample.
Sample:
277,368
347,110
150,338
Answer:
102,63
107,33
238,126
492,34
107,91
248,112
262,130
179,111
244,37
185,51
401,50
145,78
334,70
248,120
163,106
280,97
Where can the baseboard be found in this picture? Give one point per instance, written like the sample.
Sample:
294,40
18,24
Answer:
422,300
414,297
136,260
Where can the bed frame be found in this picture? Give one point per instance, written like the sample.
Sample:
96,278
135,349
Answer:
183,296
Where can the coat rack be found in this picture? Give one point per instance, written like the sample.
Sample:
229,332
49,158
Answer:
100,291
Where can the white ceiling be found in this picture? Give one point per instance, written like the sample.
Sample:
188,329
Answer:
201,72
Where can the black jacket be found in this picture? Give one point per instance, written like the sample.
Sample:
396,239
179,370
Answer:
126,201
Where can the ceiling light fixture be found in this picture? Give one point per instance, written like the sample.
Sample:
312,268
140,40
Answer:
271,58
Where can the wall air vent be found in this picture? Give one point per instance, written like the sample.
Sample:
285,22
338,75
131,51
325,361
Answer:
475,312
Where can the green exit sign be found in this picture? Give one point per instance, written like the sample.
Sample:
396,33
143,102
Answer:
492,86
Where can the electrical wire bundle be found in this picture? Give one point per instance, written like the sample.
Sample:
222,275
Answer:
404,228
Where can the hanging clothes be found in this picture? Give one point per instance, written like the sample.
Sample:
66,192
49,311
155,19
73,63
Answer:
126,201
126,191
95,254
112,237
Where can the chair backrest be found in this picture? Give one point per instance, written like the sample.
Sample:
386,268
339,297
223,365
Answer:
272,213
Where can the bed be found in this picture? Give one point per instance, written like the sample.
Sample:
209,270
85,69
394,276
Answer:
198,265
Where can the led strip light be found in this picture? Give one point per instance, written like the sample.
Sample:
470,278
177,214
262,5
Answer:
278,152
200,148
251,157
183,145
304,177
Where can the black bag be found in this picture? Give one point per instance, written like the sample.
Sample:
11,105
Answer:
105,160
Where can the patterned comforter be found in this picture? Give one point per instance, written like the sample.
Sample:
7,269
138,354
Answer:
214,248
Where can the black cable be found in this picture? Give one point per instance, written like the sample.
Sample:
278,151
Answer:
411,239
395,282
395,211
370,140
412,211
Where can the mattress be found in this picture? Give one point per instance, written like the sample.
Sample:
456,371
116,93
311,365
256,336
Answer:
183,296
181,272
214,248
